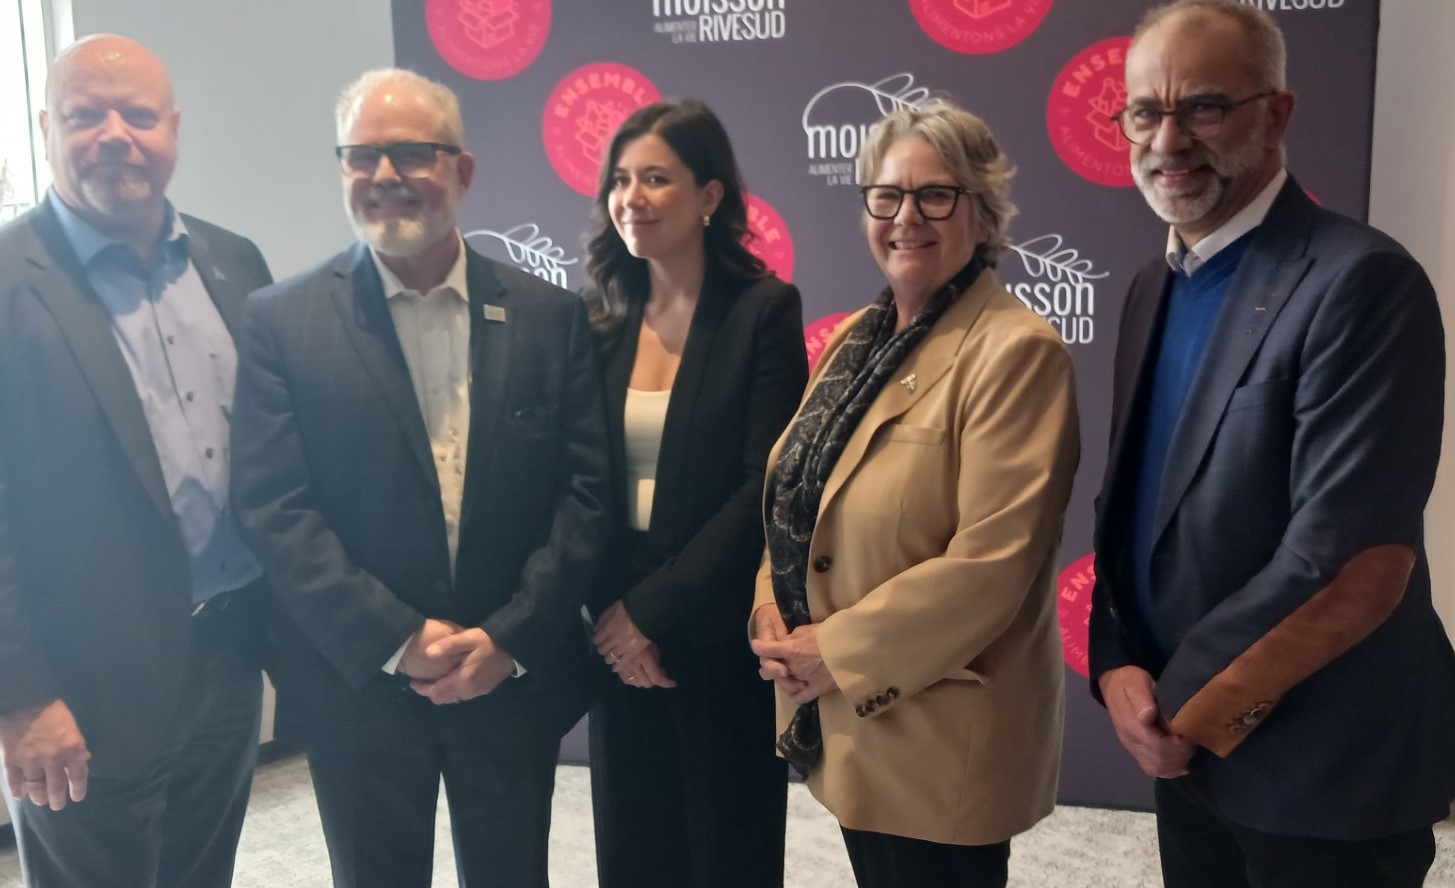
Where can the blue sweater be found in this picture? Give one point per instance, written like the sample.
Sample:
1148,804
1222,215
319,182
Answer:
1188,319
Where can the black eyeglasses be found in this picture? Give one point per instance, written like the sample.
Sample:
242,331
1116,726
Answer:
1199,117
411,160
934,202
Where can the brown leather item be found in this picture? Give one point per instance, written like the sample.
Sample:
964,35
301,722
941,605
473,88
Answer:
1362,596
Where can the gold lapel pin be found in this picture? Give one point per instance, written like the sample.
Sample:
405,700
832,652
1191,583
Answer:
910,383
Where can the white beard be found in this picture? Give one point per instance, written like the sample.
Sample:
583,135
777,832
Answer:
405,238
1185,209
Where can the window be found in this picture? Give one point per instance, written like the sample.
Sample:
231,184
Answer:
23,53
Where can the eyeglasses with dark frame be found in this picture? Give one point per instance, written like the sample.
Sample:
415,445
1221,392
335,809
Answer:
411,160
934,202
1198,117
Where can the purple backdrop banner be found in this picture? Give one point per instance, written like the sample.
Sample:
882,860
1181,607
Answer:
544,83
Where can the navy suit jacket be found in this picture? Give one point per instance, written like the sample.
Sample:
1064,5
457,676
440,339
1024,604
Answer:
95,585
337,492
1288,555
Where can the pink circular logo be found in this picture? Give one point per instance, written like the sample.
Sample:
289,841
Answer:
1090,89
978,27
817,334
582,114
488,39
1073,605
772,242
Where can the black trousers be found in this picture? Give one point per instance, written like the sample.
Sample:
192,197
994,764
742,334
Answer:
377,804
1201,849
176,825
885,861
686,789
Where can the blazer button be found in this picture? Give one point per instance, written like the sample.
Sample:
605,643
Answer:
892,692
822,563
882,699
860,710
870,705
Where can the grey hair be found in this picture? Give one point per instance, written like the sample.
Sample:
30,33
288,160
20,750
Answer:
1264,36
452,124
968,149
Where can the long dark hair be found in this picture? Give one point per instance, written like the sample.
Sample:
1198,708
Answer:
692,131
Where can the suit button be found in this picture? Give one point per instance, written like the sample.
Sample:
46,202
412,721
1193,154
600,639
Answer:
870,705
822,563
860,710
892,691
882,699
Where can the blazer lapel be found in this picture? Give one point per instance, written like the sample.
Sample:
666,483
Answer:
712,309
358,295
1133,363
86,325
922,368
491,337
1274,264
616,377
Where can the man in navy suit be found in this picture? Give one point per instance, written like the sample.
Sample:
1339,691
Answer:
130,646
421,467
1262,630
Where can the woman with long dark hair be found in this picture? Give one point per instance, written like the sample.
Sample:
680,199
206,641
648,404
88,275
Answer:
704,364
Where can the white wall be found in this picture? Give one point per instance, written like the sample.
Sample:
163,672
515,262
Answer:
1413,199
256,81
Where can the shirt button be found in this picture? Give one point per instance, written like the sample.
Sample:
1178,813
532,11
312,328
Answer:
208,451
171,339
189,396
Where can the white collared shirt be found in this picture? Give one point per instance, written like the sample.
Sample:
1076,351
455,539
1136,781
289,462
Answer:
1188,260
434,332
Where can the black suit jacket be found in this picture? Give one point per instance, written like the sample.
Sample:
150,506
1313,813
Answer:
95,585
1288,557
336,489
689,584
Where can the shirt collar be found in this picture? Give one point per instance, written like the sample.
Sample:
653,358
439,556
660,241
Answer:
1187,260
88,241
456,281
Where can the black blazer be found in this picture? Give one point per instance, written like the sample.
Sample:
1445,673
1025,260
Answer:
336,489
1289,548
743,370
95,585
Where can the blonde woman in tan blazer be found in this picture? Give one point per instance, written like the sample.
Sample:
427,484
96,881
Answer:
906,608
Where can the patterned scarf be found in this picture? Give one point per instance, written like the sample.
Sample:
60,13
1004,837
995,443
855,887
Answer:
870,355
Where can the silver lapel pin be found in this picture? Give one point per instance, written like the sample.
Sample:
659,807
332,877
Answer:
910,383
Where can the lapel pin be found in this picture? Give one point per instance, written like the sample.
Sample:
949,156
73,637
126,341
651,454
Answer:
910,383
217,273
495,313
1260,308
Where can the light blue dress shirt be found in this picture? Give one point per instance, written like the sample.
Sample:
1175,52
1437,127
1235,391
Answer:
184,365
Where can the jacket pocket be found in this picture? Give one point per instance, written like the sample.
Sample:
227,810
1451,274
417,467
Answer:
914,434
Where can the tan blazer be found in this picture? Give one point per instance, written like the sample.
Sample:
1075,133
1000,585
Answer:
932,576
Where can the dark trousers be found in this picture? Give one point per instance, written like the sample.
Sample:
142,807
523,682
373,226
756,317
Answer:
885,861
686,789
378,806
1201,849
176,825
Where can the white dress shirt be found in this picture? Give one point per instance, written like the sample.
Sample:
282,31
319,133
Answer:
434,333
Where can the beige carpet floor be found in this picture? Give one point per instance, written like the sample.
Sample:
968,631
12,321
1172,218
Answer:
282,846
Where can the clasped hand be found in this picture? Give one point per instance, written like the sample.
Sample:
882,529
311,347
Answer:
449,663
791,660
633,656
